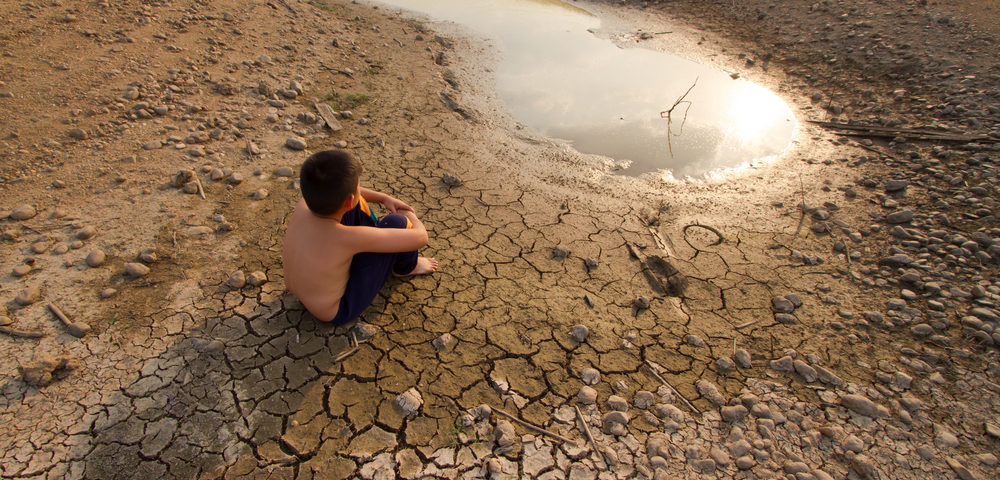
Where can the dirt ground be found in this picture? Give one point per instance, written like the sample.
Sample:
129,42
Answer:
837,318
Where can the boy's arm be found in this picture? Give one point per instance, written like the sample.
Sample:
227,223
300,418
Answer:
390,240
393,205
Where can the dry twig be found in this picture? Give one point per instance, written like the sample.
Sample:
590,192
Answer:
534,428
20,333
590,436
706,227
664,381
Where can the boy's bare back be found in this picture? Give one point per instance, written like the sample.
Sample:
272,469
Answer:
316,261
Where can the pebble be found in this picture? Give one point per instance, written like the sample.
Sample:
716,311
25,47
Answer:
579,333
410,401
259,194
710,392
237,280
733,413
284,172
134,269
617,403
21,270
742,358
610,419
106,293
807,372
29,295
590,376
586,396
725,364
24,212
641,302
96,258
694,340
901,216
643,399
256,278
560,252
295,143
86,233
782,305
443,342
504,434
783,364
862,405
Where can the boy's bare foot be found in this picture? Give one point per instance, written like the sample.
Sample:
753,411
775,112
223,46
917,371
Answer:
424,266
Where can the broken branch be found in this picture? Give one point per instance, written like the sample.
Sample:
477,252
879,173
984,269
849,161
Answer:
670,111
20,333
590,436
664,381
534,427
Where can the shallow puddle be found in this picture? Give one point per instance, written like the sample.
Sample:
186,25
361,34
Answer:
561,80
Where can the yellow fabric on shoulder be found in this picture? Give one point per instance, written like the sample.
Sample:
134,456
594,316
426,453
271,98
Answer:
363,205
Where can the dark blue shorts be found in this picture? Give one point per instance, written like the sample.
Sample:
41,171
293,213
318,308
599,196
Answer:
370,270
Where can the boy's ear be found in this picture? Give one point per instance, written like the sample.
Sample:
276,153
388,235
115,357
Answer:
349,203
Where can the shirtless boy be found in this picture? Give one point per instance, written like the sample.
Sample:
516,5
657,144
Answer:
337,254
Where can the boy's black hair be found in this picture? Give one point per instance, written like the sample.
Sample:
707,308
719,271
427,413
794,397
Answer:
327,178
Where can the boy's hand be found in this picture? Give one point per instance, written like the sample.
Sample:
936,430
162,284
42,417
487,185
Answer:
394,205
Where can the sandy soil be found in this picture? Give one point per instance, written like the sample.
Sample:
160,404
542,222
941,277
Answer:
842,327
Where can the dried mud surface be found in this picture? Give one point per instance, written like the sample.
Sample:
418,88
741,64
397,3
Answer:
843,325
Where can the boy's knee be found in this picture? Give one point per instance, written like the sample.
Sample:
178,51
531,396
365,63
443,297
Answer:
393,220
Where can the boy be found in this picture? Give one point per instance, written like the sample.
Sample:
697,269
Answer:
337,255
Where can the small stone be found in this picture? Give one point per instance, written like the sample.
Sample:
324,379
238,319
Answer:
259,194
862,405
590,376
148,255
745,462
96,258
783,364
733,413
106,293
641,302
560,252
852,443
725,364
901,216
24,212
482,412
579,333
896,185
742,358
364,331
284,172
590,264
43,368
807,372
86,233
443,342
409,401
451,181
610,419
586,396
29,295
643,399
618,403
694,341
504,434
710,392
134,269
256,278
237,280
782,305
295,143
77,134
21,270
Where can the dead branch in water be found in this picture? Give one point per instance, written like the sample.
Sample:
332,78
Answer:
670,111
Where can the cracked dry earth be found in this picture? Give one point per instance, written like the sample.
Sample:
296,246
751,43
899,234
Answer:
827,334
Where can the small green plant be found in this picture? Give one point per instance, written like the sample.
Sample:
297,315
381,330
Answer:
346,101
323,6
453,433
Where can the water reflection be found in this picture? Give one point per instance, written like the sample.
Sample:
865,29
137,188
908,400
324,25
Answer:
561,80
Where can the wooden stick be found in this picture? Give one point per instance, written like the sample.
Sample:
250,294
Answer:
745,325
20,333
534,427
590,436
59,314
201,191
345,354
664,381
